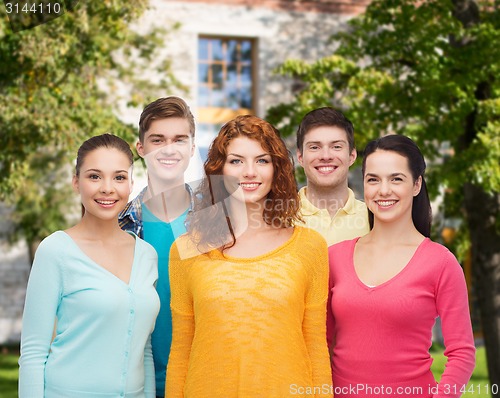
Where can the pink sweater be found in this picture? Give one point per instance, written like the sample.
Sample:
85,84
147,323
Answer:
383,334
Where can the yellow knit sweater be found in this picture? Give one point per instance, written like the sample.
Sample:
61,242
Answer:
250,327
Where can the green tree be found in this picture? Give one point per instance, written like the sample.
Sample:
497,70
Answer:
427,69
60,83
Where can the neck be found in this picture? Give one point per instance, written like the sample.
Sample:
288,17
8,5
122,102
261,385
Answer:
246,217
394,233
156,187
97,229
168,204
329,198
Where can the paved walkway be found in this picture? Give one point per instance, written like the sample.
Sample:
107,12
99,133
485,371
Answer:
14,272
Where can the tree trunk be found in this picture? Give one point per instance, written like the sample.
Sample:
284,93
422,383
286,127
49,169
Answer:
482,216
32,246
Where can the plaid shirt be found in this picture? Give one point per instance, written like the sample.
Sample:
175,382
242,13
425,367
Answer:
130,219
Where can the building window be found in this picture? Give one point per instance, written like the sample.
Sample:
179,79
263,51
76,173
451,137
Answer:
225,81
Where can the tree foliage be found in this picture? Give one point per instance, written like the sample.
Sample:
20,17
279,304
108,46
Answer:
399,70
429,70
60,83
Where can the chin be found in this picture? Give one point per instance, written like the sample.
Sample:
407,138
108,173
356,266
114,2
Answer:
326,184
170,178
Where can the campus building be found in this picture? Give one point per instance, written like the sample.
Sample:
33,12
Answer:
226,51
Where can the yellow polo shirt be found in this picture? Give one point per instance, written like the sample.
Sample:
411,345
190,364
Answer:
349,222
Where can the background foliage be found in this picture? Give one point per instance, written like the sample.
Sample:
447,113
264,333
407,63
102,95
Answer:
60,83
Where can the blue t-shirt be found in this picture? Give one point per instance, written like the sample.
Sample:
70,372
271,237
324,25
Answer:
161,235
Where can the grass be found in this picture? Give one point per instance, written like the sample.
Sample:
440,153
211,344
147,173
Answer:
477,386
8,375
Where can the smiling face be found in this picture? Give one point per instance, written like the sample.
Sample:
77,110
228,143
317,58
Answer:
167,148
389,187
251,166
326,157
104,183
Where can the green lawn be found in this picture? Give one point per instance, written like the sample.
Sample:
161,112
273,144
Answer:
8,375
477,387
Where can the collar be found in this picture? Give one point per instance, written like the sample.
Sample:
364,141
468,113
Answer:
140,197
191,196
133,208
308,209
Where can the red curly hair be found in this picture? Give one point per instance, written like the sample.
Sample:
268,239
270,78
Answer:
282,203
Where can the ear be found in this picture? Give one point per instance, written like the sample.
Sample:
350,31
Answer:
417,186
300,158
352,157
193,146
140,149
131,179
74,183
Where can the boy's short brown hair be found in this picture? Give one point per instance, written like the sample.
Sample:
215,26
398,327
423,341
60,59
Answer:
164,108
326,116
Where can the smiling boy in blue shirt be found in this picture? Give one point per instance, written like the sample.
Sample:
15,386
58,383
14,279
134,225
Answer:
158,213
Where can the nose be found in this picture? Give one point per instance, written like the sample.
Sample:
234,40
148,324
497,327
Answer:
385,188
249,170
168,149
325,153
106,186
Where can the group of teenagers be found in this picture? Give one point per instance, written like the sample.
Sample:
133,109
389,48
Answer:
243,285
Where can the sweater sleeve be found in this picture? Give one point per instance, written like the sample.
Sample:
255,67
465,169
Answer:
330,320
43,295
149,371
314,323
149,367
453,309
182,321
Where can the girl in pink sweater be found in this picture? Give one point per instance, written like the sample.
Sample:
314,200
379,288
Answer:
388,287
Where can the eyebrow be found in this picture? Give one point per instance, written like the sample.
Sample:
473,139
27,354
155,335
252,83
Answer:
158,135
329,142
390,175
100,171
240,156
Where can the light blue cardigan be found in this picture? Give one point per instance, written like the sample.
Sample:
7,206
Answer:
102,346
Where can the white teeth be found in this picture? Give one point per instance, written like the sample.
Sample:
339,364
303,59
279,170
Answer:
244,185
168,161
386,202
105,202
325,168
